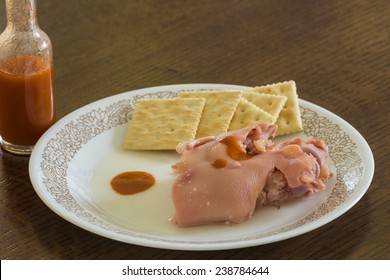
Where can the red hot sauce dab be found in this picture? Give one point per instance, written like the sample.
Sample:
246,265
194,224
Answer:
132,182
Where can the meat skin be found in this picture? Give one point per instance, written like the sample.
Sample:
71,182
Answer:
269,174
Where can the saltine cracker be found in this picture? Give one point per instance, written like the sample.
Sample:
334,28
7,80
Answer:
289,120
248,114
218,110
272,104
161,124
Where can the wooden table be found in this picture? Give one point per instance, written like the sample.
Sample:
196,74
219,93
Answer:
336,51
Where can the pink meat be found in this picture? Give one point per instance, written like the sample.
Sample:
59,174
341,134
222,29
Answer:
270,174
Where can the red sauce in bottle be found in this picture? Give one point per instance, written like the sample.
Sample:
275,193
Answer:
26,99
132,182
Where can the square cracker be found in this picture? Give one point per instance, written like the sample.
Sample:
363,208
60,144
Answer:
270,103
218,111
249,114
161,124
289,120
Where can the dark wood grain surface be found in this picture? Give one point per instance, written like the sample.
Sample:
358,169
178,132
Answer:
337,51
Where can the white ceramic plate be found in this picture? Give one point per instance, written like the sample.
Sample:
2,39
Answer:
72,164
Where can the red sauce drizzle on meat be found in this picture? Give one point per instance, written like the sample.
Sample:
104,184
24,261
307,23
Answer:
219,163
234,149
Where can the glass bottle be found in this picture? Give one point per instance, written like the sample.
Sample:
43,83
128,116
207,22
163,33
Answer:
26,79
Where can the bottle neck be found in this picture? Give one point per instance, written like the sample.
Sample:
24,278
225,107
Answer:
21,15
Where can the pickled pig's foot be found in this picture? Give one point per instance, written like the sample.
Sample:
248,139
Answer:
233,173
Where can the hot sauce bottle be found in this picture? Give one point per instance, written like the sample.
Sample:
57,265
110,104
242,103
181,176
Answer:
26,79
